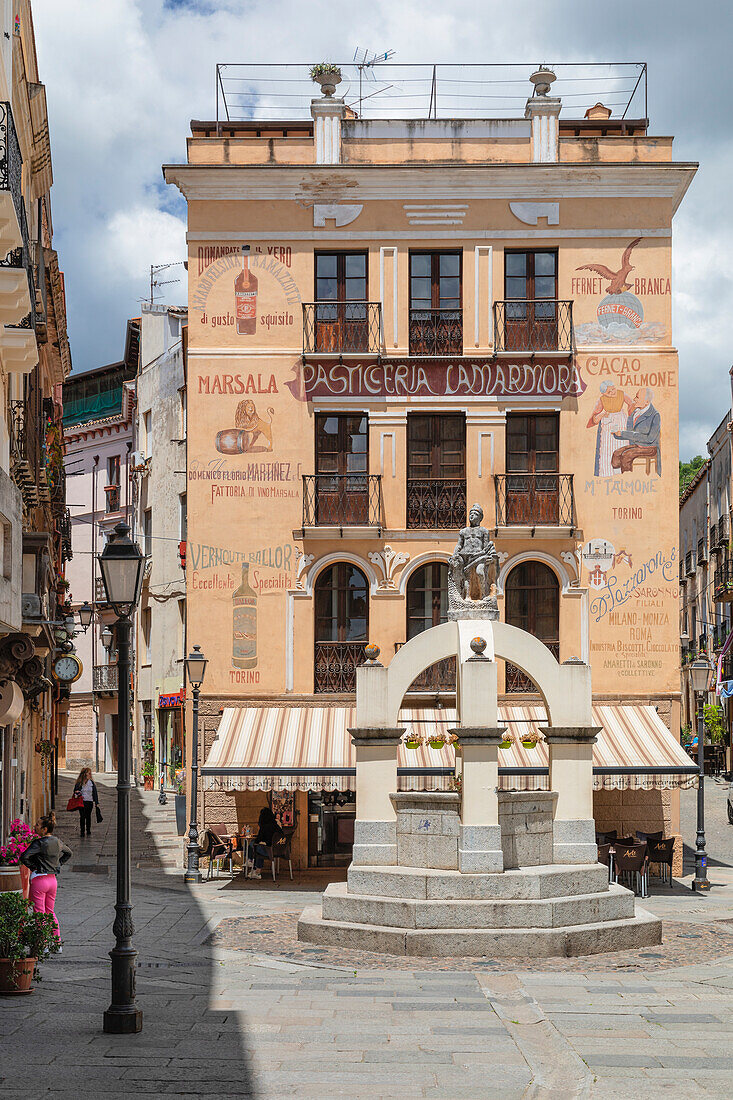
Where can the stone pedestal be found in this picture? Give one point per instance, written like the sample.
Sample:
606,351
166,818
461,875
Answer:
571,778
375,837
479,838
427,829
526,822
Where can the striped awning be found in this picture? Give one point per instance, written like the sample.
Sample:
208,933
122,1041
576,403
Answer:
309,748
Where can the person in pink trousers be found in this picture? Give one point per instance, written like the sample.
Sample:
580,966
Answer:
45,856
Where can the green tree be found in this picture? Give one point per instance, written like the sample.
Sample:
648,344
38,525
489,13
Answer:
688,471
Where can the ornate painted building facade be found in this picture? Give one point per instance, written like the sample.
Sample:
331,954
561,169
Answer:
392,319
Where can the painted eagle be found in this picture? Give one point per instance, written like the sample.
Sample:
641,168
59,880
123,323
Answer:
617,279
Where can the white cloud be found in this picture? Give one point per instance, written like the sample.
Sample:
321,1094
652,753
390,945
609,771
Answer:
142,231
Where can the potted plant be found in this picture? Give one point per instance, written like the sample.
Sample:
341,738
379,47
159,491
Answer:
13,875
25,937
506,743
412,741
327,74
148,775
179,778
529,740
436,741
714,722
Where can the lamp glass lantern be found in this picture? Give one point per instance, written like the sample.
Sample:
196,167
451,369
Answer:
86,614
106,637
196,667
122,566
700,674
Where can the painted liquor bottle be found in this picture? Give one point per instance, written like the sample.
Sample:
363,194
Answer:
244,628
245,299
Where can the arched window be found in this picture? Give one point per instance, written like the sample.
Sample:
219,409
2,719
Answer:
341,627
427,606
532,604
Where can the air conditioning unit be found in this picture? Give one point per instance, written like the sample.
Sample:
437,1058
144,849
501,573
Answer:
137,458
31,606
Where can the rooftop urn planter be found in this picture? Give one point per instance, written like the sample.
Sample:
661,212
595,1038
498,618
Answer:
327,75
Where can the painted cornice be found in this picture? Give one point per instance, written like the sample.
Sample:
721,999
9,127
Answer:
453,181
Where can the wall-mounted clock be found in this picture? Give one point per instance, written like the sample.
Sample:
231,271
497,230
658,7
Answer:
67,668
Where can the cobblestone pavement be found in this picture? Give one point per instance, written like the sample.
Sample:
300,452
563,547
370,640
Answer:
250,1017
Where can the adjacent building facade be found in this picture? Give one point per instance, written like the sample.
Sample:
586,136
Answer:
390,320
35,541
159,478
99,411
706,577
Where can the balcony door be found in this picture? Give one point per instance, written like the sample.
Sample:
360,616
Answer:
436,324
427,606
532,466
342,467
532,604
436,471
341,309
341,626
530,292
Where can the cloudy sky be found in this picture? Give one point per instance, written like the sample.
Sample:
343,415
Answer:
124,77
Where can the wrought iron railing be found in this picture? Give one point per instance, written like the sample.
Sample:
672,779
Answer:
702,554
723,580
436,332
436,505
342,500
26,453
11,162
518,681
534,500
719,533
720,633
689,567
111,498
539,324
64,529
105,678
438,677
335,328
335,665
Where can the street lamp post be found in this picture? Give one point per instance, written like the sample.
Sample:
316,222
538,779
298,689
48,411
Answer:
700,674
86,614
121,565
195,670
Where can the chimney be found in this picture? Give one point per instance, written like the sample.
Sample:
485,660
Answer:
598,111
544,111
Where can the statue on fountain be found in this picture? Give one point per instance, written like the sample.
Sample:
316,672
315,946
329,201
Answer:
472,570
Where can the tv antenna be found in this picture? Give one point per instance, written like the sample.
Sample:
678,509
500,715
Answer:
366,64
155,282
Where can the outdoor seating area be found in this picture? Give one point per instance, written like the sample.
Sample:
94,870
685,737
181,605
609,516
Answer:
631,859
232,848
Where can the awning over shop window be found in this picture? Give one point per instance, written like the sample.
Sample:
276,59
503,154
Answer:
309,748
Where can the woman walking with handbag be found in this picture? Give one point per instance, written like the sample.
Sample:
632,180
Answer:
45,856
86,789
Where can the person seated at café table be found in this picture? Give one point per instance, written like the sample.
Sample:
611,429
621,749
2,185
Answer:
261,846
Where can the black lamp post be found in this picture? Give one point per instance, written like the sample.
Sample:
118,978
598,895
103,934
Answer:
86,614
121,564
195,671
700,674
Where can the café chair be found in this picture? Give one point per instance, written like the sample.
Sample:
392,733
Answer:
661,852
634,864
218,850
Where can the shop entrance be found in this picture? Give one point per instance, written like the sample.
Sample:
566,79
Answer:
331,817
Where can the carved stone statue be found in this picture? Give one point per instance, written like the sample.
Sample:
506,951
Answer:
472,570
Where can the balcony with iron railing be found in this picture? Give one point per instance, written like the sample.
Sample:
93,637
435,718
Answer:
702,552
438,677
534,500
531,325
342,328
105,679
335,666
517,681
436,332
434,505
723,581
689,565
342,500
26,454
111,499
